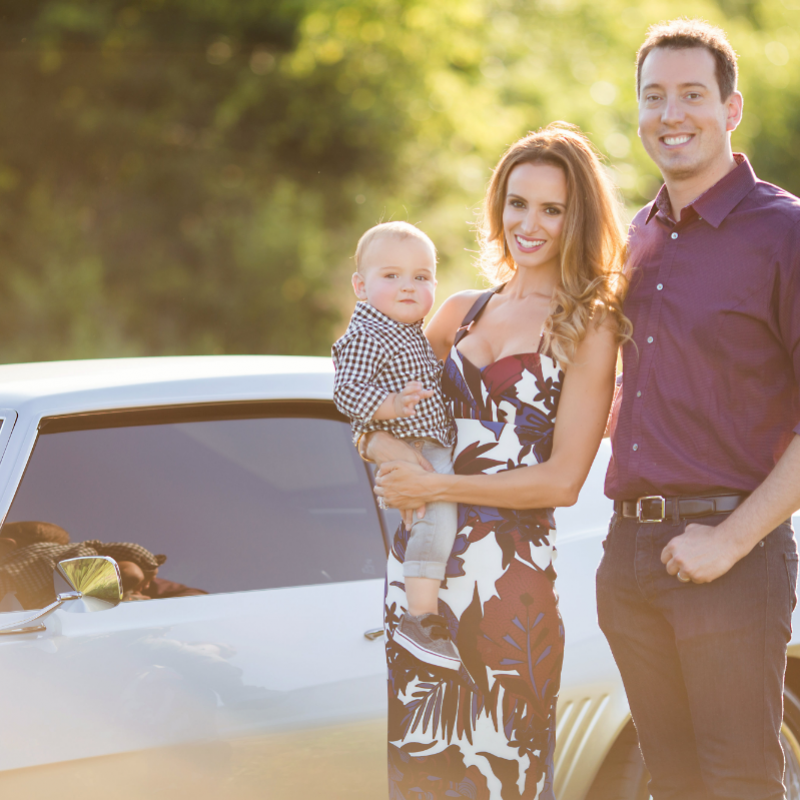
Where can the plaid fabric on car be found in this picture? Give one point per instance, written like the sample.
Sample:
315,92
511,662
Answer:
377,356
28,571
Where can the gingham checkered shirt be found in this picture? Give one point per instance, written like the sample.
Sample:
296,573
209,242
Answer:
377,356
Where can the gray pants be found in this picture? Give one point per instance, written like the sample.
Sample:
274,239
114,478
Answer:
431,538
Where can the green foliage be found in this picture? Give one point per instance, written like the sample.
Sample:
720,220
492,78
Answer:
191,176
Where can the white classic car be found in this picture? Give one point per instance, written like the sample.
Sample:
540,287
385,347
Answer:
249,663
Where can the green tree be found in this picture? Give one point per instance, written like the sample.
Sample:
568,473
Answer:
191,176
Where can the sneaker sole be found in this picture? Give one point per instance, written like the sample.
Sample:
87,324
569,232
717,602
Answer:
422,654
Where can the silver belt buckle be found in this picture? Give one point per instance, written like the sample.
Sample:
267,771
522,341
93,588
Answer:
651,497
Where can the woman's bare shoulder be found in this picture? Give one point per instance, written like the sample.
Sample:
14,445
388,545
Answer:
454,309
441,330
601,338
604,325
461,301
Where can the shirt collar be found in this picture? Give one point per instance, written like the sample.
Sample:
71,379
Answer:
717,202
364,311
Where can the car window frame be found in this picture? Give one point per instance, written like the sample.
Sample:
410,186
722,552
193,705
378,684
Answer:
8,419
165,414
121,417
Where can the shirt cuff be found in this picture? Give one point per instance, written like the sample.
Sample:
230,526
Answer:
369,402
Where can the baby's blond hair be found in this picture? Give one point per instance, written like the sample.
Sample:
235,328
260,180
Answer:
400,230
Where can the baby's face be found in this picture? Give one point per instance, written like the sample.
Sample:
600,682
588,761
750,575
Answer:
398,277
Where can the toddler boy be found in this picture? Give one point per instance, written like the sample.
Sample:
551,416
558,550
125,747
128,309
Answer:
388,378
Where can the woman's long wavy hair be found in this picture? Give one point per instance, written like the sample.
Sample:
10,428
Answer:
593,241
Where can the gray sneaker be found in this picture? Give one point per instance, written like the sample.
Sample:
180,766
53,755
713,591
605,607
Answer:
427,638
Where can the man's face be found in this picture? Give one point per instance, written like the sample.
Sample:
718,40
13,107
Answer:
683,121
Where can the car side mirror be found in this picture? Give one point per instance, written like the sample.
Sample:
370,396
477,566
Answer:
91,583
97,578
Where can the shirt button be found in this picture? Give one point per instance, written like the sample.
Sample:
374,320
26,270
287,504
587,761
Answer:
674,235
638,394
649,340
660,286
636,447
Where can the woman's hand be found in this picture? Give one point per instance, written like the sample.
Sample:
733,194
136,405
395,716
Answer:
383,448
401,484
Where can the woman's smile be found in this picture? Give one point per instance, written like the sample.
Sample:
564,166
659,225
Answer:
529,245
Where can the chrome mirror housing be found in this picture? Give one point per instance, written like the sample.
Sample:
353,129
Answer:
96,578
92,583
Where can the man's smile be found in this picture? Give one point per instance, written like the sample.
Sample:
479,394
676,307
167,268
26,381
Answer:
677,139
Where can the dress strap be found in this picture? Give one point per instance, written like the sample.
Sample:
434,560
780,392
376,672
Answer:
474,313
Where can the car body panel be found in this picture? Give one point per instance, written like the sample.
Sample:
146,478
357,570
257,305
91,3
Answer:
168,672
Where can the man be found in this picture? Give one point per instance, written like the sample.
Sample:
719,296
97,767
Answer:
697,585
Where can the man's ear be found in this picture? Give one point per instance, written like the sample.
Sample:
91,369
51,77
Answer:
359,287
734,106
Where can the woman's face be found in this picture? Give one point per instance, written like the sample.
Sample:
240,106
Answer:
533,215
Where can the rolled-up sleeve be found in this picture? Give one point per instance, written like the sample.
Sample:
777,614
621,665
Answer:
357,359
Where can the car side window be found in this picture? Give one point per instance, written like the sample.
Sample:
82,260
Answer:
202,505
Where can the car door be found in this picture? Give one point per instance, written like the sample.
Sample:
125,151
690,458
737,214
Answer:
261,644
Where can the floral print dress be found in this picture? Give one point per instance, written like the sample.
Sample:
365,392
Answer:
486,732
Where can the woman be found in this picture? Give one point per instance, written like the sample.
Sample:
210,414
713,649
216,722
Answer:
529,376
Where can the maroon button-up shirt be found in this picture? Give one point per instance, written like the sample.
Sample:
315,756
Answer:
711,382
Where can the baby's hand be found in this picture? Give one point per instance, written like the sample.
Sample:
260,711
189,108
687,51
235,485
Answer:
405,402
402,404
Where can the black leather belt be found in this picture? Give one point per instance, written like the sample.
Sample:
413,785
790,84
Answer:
655,508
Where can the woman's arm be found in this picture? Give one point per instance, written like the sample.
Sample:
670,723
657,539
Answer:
381,447
582,414
441,330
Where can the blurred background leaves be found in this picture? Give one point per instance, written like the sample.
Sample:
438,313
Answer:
191,176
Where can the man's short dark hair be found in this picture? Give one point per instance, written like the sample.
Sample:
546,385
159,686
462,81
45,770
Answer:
685,33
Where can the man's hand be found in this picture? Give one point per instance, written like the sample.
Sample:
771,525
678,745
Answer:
701,553
402,404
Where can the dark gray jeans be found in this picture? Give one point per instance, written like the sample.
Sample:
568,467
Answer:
702,664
